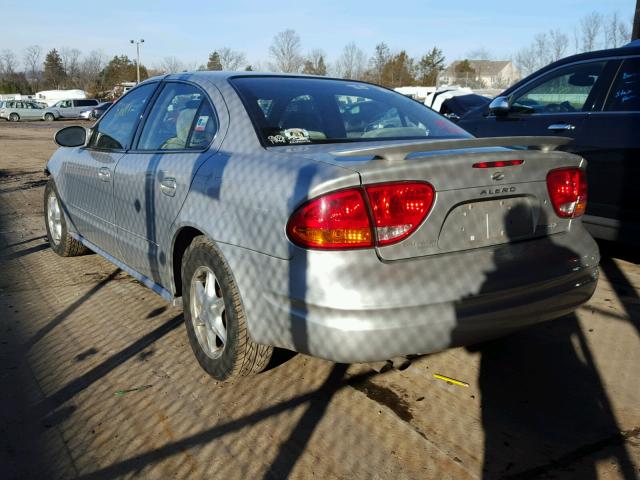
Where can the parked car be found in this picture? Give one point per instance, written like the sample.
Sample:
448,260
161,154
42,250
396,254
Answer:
245,199
97,112
16,110
68,109
593,98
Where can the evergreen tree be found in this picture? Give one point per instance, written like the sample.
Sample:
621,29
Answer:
54,75
122,69
214,61
398,71
314,65
430,65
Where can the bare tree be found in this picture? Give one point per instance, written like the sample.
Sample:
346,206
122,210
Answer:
8,62
526,60
380,58
70,61
542,49
192,66
90,70
624,31
170,65
33,61
285,52
590,27
558,43
616,32
351,63
231,60
576,40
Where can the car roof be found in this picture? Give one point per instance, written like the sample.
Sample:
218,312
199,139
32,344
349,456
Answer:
630,49
221,75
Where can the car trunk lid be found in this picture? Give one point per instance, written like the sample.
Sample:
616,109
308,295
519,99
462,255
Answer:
480,200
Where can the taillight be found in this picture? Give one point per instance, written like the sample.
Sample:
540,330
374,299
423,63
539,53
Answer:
568,191
334,221
398,209
498,164
342,220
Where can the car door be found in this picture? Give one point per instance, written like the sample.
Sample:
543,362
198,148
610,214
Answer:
612,148
65,108
19,109
32,112
152,181
87,187
557,103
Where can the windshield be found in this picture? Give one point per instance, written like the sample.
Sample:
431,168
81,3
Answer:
297,110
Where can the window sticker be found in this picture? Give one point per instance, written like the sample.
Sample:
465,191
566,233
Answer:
277,139
296,135
201,123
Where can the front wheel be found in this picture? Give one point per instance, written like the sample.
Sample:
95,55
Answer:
214,316
14,117
59,239
49,117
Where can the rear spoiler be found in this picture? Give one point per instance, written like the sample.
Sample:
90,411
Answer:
399,151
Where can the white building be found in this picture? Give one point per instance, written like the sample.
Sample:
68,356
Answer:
52,96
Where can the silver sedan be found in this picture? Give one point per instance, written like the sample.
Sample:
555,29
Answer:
334,218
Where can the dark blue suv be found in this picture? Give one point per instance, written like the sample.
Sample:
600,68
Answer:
593,98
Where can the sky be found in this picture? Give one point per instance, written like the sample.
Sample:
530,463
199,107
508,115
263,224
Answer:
190,30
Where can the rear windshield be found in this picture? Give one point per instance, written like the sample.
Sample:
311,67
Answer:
298,110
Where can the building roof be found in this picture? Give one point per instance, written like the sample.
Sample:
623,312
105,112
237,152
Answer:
482,67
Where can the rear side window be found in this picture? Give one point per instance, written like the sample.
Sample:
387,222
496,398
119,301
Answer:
86,103
181,118
567,90
298,110
116,128
625,93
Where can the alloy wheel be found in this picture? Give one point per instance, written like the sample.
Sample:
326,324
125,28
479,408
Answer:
208,312
54,218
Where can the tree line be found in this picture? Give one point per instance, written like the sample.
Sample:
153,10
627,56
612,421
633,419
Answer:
94,72
593,32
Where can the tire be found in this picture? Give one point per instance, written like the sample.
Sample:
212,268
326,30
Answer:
49,117
14,117
56,224
237,355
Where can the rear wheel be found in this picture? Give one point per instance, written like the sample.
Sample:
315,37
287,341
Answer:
214,316
59,239
14,117
49,117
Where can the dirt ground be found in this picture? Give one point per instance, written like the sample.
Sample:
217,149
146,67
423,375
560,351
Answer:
560,400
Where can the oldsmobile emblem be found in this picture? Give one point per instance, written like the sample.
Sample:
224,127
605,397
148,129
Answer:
497,176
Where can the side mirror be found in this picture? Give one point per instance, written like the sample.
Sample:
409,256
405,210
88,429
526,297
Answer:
499,106
74,136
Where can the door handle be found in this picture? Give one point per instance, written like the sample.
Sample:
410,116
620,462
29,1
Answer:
168,186
104,174
561,126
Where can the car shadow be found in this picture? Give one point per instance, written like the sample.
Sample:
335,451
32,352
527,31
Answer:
544,405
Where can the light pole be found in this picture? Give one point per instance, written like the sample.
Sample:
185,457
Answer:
138,57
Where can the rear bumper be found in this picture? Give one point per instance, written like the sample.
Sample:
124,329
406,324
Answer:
351,336
351,307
